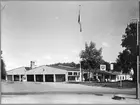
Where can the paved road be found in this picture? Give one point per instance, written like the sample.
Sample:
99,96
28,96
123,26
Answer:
64,99
62,93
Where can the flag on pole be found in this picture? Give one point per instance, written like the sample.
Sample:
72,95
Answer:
79,19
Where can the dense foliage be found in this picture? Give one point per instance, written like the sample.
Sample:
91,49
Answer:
3,71
91,57
127,59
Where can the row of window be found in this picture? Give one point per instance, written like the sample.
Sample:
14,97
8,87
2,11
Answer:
123,77
73,73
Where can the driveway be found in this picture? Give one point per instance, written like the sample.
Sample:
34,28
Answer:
62,93
64,99
31,87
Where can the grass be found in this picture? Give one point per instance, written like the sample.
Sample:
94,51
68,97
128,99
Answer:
125,84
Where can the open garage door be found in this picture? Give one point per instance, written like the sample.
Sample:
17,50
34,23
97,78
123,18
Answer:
60,77
39,78
86,76
16,77
9,77
49,78
30,78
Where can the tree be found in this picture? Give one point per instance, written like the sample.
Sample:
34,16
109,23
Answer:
64,64
124,61
127,59
3,71
117,66
91,57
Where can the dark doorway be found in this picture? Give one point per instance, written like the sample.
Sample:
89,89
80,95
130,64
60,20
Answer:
49,78
16,77
60,77
30,78
86,76
39,78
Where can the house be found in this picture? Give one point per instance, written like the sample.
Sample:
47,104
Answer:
106,76
122,77
43,73
99,75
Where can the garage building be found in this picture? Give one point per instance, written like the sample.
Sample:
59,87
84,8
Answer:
43,73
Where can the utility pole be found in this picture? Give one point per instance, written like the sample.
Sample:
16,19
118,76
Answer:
138,53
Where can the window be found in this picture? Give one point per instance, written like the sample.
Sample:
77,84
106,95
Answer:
69,73
70,78
75,73
78,73
118,78
123,78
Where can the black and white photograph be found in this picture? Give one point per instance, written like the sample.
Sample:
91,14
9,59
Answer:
70,52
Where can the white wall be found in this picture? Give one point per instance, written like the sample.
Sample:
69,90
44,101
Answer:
123,77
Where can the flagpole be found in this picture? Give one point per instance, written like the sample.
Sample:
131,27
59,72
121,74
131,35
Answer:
80,65
79,21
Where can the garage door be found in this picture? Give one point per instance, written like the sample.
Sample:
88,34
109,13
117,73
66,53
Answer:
49,78
16,77
9,77
60,77
30,78
39,78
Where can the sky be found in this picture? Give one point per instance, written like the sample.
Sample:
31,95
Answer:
48,31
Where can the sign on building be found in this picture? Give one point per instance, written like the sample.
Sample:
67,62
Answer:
111,66
103,67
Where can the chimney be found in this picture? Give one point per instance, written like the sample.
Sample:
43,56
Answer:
32,64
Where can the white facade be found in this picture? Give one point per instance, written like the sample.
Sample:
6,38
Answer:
42,74
123,77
